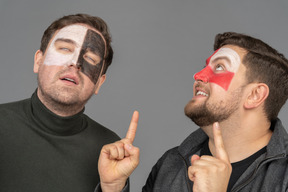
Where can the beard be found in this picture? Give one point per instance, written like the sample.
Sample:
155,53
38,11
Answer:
57,98
209,113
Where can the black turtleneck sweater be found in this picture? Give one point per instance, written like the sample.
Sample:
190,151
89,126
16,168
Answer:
43,152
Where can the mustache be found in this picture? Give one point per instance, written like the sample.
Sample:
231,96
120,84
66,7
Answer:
68,69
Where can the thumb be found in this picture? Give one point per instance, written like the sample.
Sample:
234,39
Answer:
133,153
194,158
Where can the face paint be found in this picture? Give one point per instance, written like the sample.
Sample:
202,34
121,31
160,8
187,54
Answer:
93,42
230,60
78,45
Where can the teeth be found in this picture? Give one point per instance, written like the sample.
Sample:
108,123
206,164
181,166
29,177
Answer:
68,79
202,93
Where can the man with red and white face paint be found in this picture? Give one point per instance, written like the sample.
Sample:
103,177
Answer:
218,74
223,73
241,145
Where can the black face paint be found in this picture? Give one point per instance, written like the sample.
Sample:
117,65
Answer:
93,42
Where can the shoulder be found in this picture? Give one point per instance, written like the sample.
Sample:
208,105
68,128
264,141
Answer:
101,131
16,107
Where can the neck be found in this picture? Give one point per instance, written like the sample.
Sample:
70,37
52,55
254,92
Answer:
242,138
58,108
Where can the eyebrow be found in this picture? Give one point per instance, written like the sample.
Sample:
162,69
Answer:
65,40
223,57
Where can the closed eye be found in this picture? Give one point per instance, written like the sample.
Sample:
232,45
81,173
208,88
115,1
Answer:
64,46
89,59
65,49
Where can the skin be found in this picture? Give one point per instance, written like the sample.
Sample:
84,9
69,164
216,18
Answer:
62,97
118,160
234,141
218,73
205,170
230,140
66,98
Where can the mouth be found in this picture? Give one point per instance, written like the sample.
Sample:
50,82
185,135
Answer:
70,79
201,93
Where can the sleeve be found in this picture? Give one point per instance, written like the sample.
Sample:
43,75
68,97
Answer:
149,186
125,189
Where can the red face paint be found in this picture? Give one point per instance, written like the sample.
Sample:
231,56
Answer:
208,60
207,74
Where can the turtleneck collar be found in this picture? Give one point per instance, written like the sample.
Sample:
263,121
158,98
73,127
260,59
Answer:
55,124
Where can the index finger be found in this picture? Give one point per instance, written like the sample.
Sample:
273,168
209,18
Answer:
133,127
219,144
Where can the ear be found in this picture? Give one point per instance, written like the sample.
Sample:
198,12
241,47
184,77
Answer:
38,59
100,82
258,94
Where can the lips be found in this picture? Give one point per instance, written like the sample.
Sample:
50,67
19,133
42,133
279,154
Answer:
201,92
70,78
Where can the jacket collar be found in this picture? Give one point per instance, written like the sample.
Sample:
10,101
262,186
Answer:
193,143
278,143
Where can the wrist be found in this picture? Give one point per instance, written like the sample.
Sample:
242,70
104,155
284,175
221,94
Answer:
112,187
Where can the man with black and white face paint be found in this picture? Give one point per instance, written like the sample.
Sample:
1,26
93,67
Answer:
70,71
50,144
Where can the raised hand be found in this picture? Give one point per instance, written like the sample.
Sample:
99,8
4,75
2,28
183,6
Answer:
211,173
118,160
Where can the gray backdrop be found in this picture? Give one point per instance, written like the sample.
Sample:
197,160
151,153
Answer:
159,45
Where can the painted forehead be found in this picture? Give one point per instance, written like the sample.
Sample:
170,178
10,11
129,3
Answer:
94,42
228,54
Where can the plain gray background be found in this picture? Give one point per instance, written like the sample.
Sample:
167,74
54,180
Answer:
158,44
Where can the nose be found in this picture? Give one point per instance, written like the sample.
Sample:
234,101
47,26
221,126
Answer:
202,75
75,62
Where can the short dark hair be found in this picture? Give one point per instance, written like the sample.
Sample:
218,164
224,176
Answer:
93,21
264,64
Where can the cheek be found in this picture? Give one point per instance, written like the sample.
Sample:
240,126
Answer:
207,75
223,79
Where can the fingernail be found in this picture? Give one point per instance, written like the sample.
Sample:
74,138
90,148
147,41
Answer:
129,146
217,125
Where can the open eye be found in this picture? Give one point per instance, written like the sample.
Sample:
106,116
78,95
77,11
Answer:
219,68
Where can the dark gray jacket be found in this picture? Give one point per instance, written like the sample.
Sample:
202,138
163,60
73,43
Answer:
268,173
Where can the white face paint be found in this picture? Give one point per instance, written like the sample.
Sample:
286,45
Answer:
231,55
64,55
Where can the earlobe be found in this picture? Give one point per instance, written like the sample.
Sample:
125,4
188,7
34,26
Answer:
100,82
257,96
37,60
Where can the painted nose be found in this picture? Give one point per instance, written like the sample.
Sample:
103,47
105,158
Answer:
202,75
75,61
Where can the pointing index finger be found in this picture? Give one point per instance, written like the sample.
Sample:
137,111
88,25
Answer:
219,144
133,127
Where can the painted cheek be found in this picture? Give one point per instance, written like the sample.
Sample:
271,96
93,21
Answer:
207,75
